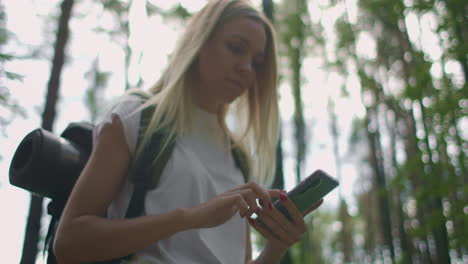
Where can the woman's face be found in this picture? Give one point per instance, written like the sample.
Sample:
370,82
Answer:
229,62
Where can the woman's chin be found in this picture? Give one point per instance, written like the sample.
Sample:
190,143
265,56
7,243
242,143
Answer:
232,97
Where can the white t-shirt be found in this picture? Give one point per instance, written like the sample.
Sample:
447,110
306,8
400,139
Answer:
200,169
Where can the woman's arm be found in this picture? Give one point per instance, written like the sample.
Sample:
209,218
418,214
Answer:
84,233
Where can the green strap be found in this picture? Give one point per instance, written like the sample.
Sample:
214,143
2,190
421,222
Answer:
146,177
241,161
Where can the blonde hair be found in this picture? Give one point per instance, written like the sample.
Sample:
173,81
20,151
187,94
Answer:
256,111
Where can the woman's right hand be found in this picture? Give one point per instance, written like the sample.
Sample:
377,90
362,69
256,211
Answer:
242,200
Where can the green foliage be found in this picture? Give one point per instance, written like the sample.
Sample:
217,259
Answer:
119,10
368,82
425,172
177,12
423,85
388,49
118,6
98,81
357,127
346,36
13,76
320,235
6,102
180,12
388,12
423,5
296,30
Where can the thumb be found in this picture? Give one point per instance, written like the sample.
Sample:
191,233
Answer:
275,193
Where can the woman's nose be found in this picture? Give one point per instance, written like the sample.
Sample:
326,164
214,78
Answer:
245,67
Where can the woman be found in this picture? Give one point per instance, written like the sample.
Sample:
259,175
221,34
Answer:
223,66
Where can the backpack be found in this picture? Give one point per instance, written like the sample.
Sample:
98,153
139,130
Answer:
48,165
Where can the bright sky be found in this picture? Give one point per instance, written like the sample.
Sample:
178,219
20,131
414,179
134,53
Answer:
155,40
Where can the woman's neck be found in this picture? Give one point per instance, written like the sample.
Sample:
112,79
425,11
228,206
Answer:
204,102
200,97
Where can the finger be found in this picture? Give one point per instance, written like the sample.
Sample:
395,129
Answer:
261,193
295,214
313,207
284,233
251,199
275,193
283,221
239,202
266,234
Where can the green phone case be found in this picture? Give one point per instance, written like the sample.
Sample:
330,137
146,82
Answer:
309,191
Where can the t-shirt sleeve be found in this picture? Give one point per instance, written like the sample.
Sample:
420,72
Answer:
125,109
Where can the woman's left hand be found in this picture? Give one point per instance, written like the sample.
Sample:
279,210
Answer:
280,232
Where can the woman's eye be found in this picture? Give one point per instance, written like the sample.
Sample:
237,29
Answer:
235,49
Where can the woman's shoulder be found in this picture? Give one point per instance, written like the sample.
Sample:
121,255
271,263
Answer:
126,107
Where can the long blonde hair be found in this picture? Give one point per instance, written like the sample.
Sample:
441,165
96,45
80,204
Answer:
256,111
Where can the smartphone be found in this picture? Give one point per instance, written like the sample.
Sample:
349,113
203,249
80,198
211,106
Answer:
308,192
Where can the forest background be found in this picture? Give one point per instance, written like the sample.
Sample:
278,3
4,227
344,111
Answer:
372,91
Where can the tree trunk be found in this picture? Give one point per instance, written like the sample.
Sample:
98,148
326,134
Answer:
458,180
278,181
434,203
33,226
295,60
436,179
414,171
368,209
376,157
345,235
405,240
268,9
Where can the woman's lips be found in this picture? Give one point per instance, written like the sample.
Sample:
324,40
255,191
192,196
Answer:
236,83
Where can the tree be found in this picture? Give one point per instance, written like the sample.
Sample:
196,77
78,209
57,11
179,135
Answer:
32,235
295,30
345,235
419,108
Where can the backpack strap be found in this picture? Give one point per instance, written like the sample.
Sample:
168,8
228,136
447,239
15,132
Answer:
142,176
147,168
241,161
